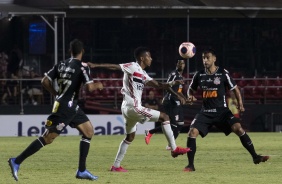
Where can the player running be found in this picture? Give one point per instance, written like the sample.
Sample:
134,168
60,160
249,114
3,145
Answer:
70,75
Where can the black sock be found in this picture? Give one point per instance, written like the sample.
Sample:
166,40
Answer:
83,152
191,143
155,130
35,146
176,130
248,144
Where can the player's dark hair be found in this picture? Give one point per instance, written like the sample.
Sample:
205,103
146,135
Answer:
76,46
209,50
140,51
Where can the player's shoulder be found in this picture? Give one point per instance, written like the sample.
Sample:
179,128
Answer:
200,72
85,65
223,70
173,72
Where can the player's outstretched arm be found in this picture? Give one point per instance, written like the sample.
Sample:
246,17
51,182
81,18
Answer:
94,86
167,86
104,65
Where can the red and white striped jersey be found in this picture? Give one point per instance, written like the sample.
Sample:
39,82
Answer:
134,79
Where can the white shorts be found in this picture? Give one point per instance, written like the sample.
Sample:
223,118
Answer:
133,115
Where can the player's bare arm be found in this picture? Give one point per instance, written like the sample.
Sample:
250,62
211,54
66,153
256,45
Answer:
47,84
104,65
238,96
190,97
167,86
94,86
188,100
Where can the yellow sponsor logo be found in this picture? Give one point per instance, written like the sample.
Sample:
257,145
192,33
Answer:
209,94
48,123
55,107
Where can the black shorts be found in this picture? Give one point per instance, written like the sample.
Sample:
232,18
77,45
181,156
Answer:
64,116
223,119
174,111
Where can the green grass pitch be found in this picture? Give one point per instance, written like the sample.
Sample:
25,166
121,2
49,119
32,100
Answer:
219,160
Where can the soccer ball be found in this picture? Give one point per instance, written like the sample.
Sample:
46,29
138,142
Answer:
187,50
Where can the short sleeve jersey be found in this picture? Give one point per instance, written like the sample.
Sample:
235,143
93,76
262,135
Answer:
173,76
70,75
134,80
213,87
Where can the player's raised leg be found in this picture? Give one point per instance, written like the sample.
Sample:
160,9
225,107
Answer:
176,150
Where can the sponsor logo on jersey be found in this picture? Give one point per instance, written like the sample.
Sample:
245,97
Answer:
48,123
70,103
209,80
61,67
60,126
216,80
210,94
210,110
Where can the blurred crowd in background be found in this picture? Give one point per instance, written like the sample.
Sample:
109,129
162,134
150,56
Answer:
248,48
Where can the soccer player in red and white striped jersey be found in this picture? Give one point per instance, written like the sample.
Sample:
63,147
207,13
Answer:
134,80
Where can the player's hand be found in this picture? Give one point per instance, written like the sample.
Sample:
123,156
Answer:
182,100
99,85
177,82
241,108
191,99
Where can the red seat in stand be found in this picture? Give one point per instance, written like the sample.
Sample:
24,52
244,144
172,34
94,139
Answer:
253,93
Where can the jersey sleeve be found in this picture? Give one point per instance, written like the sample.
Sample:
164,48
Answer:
53,73
195,82
230,83
86,73
147,78
127,67
173,76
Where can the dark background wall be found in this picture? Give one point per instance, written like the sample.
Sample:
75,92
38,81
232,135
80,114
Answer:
250,46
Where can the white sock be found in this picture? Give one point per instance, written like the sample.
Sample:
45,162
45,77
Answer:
121,152
169,134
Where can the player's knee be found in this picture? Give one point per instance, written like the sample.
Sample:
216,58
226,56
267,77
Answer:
237,129
193,132
130,137
48,140
163,117
89,133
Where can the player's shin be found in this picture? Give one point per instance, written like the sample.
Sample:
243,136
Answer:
35,146
191,143
169,134
83,152
121,152
248,144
